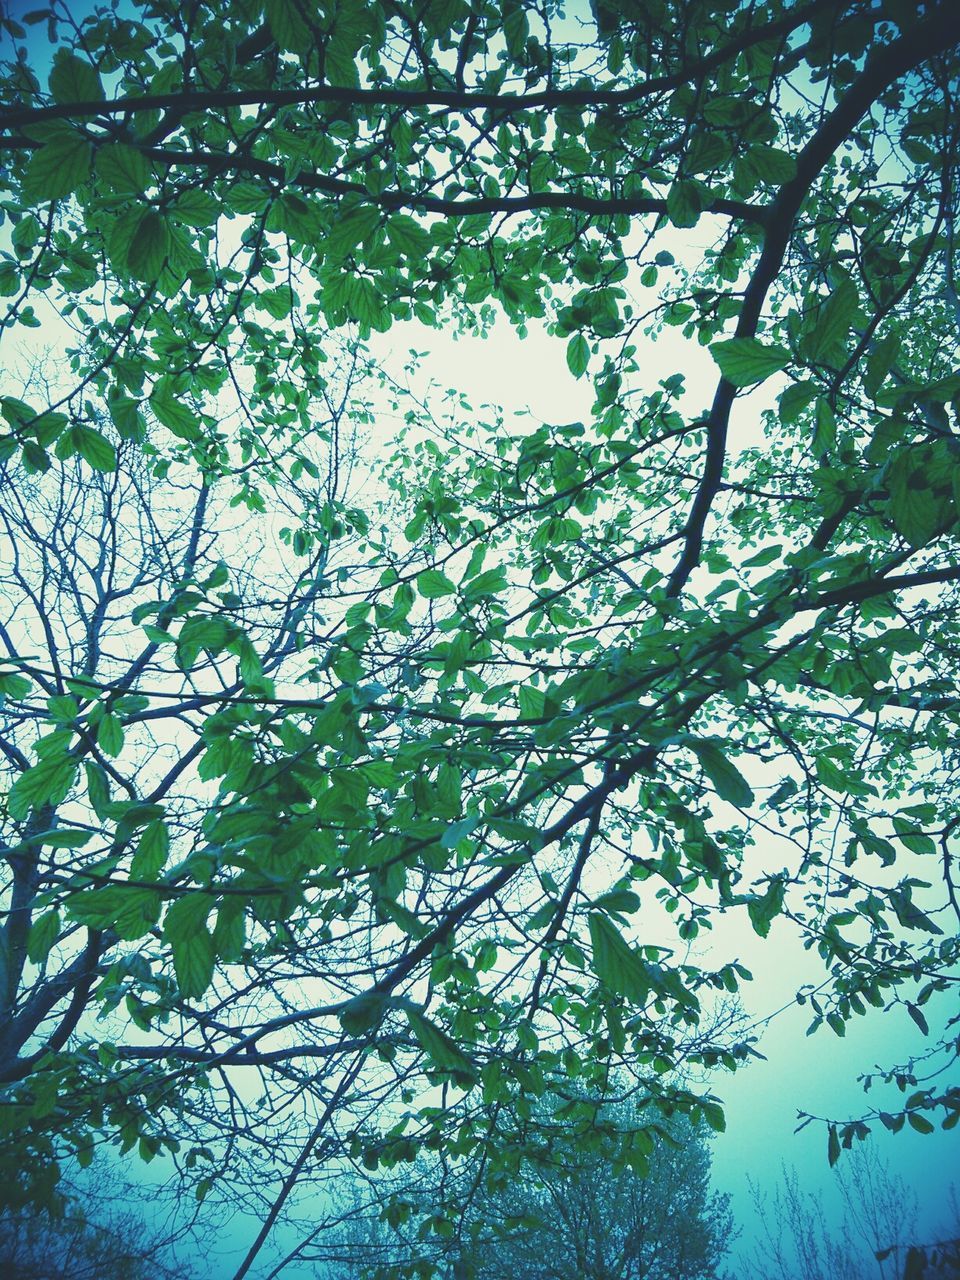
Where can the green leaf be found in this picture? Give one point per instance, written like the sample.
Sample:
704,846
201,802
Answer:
443,1052
833,323
578,355
918,513
685,203
615,962
185,929
196,208
409,236
763,909
621,900
833,1146
727,779
94,448
110,734
907,911
176,417
46,783
286,22
73,79
44,932
744,361
432,584
58,167
152,852
918,1017
148,248
129,910
122,168
363,1014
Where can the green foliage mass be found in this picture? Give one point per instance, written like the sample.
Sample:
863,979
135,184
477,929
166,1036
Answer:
375,767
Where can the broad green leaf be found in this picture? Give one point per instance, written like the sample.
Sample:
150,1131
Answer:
620,900
46,783
763,909
409,236
363,1014
110,734
615,962
196,208
288,26
44,932
918,512
94,448
185,929
685,203
578,355
744,361
834,319
907,911
152,852
229,933
176,416
73,79
58,167
727,779
432,584
122,168
149,247
129,910
443,1052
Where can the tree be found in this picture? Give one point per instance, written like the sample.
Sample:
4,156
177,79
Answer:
96,1229
593,1196
580,1212
876,1237
449,789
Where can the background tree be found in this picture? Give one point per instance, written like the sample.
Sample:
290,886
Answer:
876,1235
579,1210
95,1226
386,836
593,1195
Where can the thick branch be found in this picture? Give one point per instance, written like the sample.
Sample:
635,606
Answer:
883,68
448,99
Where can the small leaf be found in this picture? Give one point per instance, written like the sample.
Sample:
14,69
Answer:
744,361
833,1146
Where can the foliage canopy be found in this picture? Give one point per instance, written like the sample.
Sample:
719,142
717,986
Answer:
322,795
